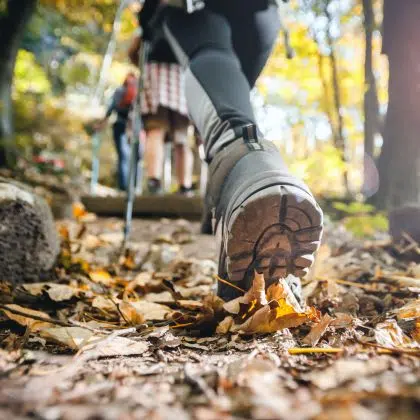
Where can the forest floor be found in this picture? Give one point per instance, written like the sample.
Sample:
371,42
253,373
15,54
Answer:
134,337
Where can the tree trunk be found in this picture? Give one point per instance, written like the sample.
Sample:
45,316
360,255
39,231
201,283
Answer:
371,103
339,140
327,104
13,19
399,163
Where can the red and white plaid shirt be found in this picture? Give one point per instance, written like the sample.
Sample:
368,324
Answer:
163,86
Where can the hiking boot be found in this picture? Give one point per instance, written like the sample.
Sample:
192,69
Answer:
154,186
185,191
267,219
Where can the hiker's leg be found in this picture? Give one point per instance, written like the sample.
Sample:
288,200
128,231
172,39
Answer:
267,218
254,32
156,127
123,153
217,91
183,154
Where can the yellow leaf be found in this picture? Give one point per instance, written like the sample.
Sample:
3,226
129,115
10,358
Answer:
101,276
78,210
410,310
255,294
258,312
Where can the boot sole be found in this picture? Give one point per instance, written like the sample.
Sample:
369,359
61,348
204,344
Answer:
276,231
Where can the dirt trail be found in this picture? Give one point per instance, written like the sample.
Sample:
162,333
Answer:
370,369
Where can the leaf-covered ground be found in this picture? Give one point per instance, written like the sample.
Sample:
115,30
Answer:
143,336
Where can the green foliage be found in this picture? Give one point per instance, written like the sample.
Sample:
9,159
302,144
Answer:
322,170
77,70
361,219
29,77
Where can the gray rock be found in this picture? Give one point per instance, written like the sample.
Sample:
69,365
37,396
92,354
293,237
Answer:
29,244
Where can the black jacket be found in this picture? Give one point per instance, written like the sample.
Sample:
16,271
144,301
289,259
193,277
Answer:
161,52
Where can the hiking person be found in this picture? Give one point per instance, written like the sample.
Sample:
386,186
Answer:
165,116
267,219
121,103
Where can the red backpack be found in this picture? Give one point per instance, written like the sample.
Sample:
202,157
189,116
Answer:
130,92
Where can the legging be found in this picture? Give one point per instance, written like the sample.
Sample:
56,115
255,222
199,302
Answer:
123,152
223,49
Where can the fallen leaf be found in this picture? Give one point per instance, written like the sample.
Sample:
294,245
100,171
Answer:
112,238
72,337
101,276
151,310
81,214
254,296
258,312
410,310
78,210
225,326
118,346
35,289
33,324
389,334
342,320
190,304
344,370
131,314
103,303
61,292
317,331
159,297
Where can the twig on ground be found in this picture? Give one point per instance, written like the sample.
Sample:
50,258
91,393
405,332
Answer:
229,284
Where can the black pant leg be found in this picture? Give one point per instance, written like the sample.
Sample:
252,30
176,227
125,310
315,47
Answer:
216,88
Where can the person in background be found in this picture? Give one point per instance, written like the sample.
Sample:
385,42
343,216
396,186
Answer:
164,113
121,103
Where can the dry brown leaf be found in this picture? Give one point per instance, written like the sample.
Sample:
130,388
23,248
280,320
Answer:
130,313
258,312
159,297
254,296
57,292
342,320
118,346
317,331
61,292
225,326
33,324
389,334
344,370
151,310
190,304
35,289
410,310
72,337
103,303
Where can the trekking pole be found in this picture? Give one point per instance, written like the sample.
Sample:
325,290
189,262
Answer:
135,145
96,145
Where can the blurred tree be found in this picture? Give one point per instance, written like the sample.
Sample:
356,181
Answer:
371,103
14,14
399,163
